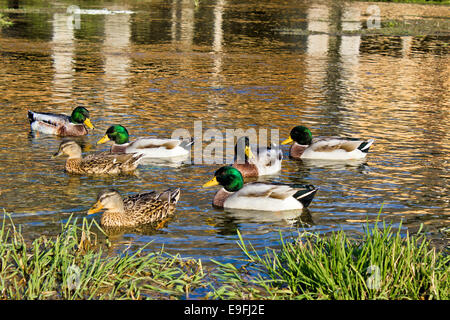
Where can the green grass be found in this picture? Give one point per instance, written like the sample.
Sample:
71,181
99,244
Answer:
76,264
381,265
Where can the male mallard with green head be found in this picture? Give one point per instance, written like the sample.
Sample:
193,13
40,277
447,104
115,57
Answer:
326,148
265,161
96,163
142,208
257,195
149,147
61,124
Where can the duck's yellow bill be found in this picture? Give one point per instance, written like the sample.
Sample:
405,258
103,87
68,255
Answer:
248,152
95,208
288,140
103,140
56,155
210,183
88,123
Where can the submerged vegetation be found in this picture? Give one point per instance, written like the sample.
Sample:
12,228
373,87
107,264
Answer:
4,22
75,265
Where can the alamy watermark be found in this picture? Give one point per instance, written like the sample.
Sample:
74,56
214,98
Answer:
73,278
74,18
374,20
373,282
226,147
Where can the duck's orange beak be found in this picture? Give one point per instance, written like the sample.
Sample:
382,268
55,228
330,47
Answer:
103,140
248,152
95,208
288,140
88,123
212,182
57,154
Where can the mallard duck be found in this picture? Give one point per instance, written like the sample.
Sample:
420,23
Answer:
142,208
149,147
267,161
257,195
326,148
61,124
96,164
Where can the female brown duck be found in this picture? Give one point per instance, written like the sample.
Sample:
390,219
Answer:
142,208
102,163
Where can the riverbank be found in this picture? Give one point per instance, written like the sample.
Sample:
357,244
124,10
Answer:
444,2
76,265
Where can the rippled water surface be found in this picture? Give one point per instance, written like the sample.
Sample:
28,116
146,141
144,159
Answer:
161,66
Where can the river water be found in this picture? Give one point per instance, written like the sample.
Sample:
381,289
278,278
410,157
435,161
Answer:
159,66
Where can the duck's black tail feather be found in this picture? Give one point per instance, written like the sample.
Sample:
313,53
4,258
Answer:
307,195
365,146
31,116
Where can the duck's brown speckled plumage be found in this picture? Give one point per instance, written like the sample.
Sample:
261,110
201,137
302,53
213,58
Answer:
143,208
102,163
113,164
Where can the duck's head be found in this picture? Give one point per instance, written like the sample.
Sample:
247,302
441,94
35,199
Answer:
242,150
81,115
228,177
107,200
117,133
300,134
69,148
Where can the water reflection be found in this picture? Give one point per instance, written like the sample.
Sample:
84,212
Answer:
349,47
360,164
317,52
226,63
280,218
117,61
217,79
63,51
319,28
